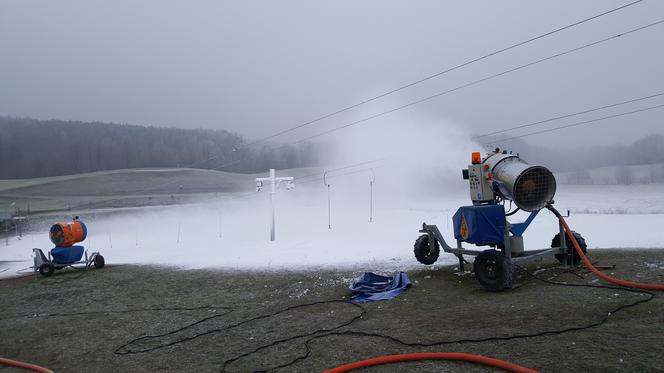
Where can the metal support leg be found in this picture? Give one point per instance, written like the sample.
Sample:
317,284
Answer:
460,256
563,244
507,243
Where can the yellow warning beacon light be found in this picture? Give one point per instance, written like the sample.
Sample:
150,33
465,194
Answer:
476,158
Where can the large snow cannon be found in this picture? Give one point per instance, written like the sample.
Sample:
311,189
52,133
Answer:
65,253
67,234
510,177
493,180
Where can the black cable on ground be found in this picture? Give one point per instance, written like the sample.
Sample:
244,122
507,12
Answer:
111,312
335,331
469,340
123,350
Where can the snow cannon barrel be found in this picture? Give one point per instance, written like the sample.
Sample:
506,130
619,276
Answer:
529,187
67,234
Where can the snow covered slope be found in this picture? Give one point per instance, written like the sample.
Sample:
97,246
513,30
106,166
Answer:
235,234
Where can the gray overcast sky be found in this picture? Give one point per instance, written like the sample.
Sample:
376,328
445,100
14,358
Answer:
259,67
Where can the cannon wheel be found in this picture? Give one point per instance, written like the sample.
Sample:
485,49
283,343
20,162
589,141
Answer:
46,269
423,252
572,256
99,261
493,270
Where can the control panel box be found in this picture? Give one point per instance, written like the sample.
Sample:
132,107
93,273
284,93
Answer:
480,185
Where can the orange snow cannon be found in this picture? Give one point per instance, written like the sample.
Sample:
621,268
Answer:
67,234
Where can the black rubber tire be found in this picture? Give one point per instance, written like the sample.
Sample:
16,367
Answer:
493,270
423,252
99,261
46,269
572,256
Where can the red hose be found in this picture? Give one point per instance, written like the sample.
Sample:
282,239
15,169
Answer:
477,359
28,366
600,274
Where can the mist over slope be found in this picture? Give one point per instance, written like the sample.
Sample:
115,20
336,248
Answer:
647,150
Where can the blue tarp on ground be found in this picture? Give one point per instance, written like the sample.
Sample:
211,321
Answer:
370,287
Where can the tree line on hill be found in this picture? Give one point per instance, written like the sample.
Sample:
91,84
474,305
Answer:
37,148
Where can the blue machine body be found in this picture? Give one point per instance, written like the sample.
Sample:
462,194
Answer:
67,255
480,224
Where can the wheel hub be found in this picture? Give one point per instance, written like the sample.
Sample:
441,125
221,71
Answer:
491,268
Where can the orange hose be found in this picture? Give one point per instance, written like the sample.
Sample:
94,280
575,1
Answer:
477,359
600,274
28,366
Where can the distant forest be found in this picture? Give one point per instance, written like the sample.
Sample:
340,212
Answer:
36,148
648,150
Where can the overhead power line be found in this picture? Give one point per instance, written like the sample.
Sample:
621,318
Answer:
567,116
341,168
342,174
456,67
578,123
571,25
480,81
401,88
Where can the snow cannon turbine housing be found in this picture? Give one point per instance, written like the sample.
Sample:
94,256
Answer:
508,177
67,234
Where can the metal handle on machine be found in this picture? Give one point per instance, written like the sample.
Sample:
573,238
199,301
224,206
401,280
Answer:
433,230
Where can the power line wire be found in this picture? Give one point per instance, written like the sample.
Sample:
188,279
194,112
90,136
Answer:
415,83
390,92
578,123
342,174
428,98
567,116
341,168
456,67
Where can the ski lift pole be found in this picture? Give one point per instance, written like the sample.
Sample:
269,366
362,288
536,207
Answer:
371,182
272,233
222,205
329,215
274,182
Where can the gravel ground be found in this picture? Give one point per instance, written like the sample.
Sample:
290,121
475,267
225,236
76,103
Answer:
139,318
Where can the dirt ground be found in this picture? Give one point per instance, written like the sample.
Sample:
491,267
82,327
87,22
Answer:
137,318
